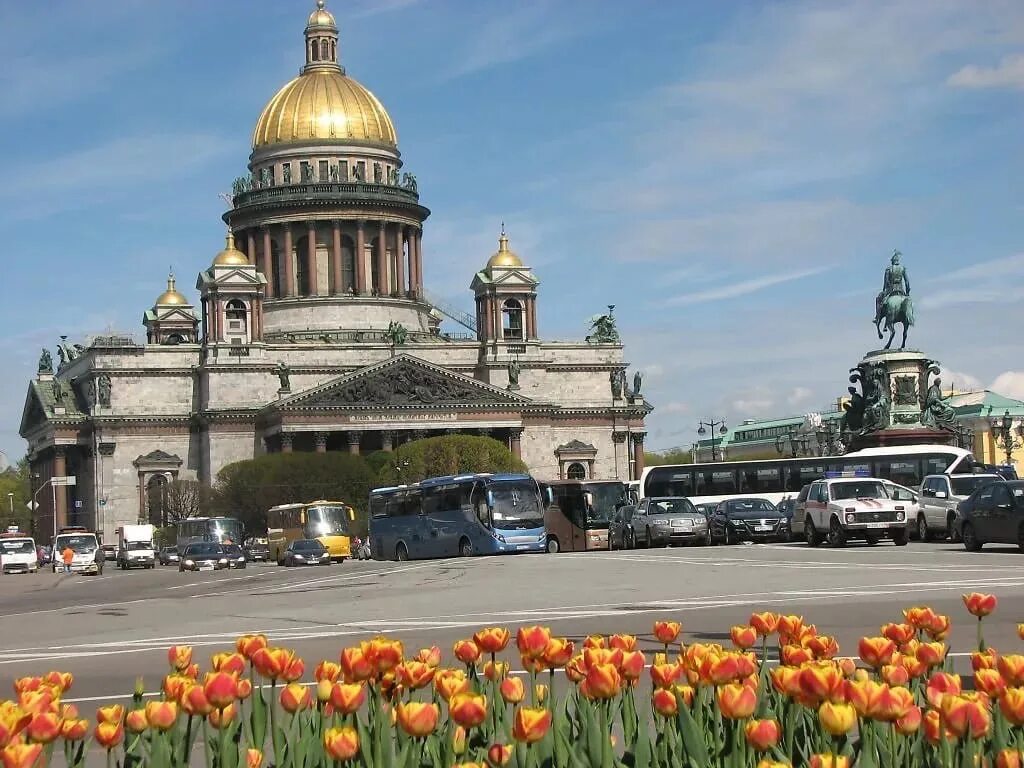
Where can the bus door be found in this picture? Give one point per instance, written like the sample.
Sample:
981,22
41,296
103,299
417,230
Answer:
577,499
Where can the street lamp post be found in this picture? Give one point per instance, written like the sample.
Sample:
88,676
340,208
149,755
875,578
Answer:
797,444
704,426
827,435
10,498
964,437
1006,434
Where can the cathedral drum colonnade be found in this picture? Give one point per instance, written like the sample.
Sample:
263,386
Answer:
314,332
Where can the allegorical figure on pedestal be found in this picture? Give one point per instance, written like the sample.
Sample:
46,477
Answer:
893,304
937,413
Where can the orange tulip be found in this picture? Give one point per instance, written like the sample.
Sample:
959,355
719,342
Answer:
347,698
963,715
323,691
495,670
533,641
989,682
939,627
1009,758
743,636
1011,704
44,727
820,682
910,722
136,721
787,681
531,724
558,652
244,688
414,674
984,659
764,623
35,702
876,651
837,718
253,758
20,755
665,675
247,645
603,682
499,755
736,701
632,666
766,763
459,740
233,663
822,646
221,688
468,709
979,604
221,718
179,657
931,654
161,714
664,702
622,642
666,632
576,669
111,714
762,735
417,718
448,682
430,656
108,735
864,695
933,730
74,729
25,684
383,653
795,655
492,639
895,675
62,681
327,670
195,702
827,760
594,656
341,744
1011,667
914,667
467,652
919,617
512,690
939,685
355,666
788,626
899,633
295,697
893,703
272,662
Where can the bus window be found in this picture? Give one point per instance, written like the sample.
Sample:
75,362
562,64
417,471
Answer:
903,472
378,506
760,480
799,475
713,483
936,465
478,502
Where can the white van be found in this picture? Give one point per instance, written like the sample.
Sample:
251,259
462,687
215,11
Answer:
18,553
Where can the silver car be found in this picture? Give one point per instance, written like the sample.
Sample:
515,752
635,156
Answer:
663,520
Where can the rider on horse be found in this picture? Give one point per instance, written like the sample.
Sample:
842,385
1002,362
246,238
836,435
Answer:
893,304
895,283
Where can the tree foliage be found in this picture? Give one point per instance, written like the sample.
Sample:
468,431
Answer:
186,498
15,480
673,456
447,455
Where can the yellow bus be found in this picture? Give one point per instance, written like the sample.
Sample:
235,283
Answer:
326,521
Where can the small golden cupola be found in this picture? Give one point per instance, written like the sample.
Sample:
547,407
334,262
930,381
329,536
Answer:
230,256
170,297
506,298
171,319
504,256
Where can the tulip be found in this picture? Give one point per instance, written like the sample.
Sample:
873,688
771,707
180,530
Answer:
247,645
533,641
221,688
931,654
531,724
341,744
495,670
1009,758
459,740
468,709
989,682
492,639
893,703
594,656
795,655
822,682
74,730
895,675
736,701
347,698
762,735
594,641
179,657
664,702
864,695
448,682
919,617
789,626
512,690
984,659
44,727
161,714
417,718
35,702
253,758
195,702
827,760
622,642
933,730
136,721
962,715
467,652
685,693
876,651
414,674
666,632
1011,704
355,666
939,685
939,627
383,653
244,688
766,763
232,663
60,680
1011,667
665,675
898,633
327,670
910,722
272,662
979,604
108,735
576,669
295,697
822,646
221,718
603,681
20,755
764,623
837,719
632,666
558,652
743,636
111,714
499,755
24,684
915,668
430,656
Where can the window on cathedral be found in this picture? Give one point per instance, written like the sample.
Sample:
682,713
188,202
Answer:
576,471
324,50
314,51
235,313
325,170
343,170
512,319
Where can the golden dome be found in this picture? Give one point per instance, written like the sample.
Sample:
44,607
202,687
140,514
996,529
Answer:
320,17
324,104
230,256
504,257
171,295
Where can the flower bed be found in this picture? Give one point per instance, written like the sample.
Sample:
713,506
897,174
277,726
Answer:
897,704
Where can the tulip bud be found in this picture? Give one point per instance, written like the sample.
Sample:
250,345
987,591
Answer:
323,690
341,743
762,735
253,758
459,740
499,755
531,724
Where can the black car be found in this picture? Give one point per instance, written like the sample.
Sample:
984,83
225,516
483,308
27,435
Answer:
257,550
620,528
305,552
739,520
992,514
235,555
786,509
203,557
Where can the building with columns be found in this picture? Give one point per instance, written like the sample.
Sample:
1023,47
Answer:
314,333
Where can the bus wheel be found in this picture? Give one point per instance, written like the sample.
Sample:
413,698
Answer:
401,553
552,545
465,548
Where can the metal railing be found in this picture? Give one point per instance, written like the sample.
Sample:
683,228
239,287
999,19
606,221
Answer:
326,190
454,313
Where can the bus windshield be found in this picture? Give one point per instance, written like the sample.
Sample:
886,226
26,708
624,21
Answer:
326,521
17,547
226,529
602,499
515,504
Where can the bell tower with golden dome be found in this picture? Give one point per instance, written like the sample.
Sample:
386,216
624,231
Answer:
506,298
326,213
171,319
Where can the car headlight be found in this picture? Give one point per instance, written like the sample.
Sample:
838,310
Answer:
899,517
223,561
299,557
189,563
850,518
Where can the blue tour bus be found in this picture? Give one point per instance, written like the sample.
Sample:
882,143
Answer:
464,515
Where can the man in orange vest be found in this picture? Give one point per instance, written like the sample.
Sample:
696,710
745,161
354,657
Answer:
67,556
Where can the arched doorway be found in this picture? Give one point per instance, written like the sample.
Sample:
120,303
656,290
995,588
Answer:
156,500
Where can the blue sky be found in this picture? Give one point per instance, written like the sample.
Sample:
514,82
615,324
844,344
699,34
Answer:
733,176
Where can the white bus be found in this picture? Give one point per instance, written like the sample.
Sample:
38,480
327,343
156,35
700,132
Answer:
219,530
776,479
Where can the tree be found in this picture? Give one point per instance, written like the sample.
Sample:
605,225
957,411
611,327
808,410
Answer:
446,455
14,492
184,499
671,456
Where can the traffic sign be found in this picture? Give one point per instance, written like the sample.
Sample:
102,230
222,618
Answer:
32,505
63,480
78,503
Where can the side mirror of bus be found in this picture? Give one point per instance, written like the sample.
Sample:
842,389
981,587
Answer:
588,499
302,516
351,514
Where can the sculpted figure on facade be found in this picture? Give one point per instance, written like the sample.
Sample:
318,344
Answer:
937,412
603,328
103,390
283,373
638,380
57,388
853,411
286,173
45,362
409,182
616,379
378,173
513,373
396,333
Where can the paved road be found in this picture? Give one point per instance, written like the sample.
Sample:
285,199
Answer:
111,629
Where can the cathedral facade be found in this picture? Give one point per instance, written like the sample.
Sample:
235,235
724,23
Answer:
313,332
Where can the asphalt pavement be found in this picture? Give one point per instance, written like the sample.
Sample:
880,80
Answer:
112,629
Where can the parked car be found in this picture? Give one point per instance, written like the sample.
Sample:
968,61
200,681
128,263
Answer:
844,508
305,552
939,498
910,500
236,556
797,523
168,555
736,520
109,551
706,508
204,556
620,528
257,549
663,520
993,514
786,508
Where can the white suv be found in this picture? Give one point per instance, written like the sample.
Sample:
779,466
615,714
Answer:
845,508
940,496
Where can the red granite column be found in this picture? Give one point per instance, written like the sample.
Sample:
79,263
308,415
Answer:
353,443
59,493
417,238
400,261
516,446
534,333
250,246
268,263
382,260
311,258
289,262
336,286
321,442
360,259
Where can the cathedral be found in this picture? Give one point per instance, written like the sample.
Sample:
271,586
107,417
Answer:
313,331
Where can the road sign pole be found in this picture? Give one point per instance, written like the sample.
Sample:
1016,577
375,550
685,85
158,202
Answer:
53,487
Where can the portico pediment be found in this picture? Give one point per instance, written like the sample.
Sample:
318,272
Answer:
402,382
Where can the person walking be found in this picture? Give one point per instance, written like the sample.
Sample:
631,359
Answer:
67,556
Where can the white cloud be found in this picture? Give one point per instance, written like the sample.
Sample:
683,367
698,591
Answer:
674,406
958,380
1008,73
979,283
1010,384
799,395
743,287
752,406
